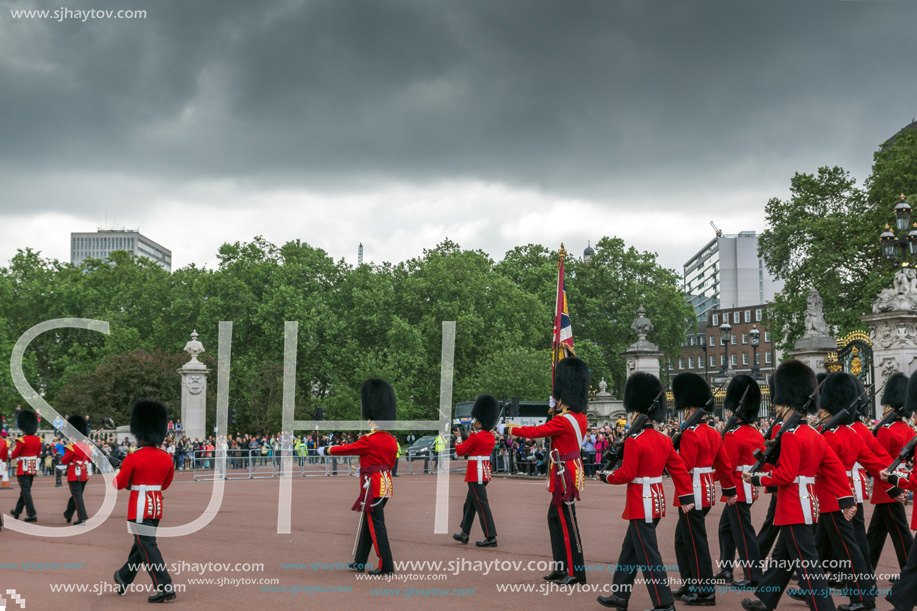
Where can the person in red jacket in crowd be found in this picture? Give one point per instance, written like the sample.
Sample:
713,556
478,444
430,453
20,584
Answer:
566,476
743,399
4,462
833,532
646,454
805,458
889,517
478,447
377,451
146,472
701,449
77,458
27,449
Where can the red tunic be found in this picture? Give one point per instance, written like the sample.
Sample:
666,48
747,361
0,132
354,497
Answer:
893,437
646,455
147,472
565,442
4,450
27,450
702,451
377,452
740,444
851,450
76,457
805,455
480,445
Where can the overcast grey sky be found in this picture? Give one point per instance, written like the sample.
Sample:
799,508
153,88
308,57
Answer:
399,123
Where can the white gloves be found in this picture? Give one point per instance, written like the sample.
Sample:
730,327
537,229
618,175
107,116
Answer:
321,451
500,428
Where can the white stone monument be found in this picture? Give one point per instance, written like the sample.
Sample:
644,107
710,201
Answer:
816,343
642,355
194,392
603,407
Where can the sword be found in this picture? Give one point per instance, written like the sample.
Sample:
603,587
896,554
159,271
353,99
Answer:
561,469
368,486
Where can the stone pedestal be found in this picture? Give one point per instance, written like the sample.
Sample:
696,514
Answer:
813,351
894,344
603,407
194,392
642,355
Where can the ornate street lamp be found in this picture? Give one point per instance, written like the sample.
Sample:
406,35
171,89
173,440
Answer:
890,243
755,341
725,328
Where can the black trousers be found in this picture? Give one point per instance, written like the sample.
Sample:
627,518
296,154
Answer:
374,534
476,502
838,535
795,551
395,468
768,533
904,591
566,544
735,526
889,519
640,550
145,554
693,552
75,502
25,495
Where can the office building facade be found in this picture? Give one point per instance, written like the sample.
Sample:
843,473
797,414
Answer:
100,244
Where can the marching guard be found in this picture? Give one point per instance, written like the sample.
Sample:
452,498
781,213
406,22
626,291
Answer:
889,517
146,472
4,462
701,449
566,430
478,447
27,449
646,454
377,450
76,457
743,399
805,458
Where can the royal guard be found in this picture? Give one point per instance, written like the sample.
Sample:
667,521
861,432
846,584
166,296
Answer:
743,399
146,472
805,458
903,595
478,447
77,459
833,531
4,462
27,449
889,517
701,449
566,428
859,480
647,454
767,535
377,450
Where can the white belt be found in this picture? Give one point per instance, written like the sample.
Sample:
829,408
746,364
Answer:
647,495
141,499
749,495
26,460
803,482
698,487
857,481
78,467
480,460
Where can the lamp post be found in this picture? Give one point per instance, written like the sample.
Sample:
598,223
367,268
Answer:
706,375
891,244
755,341
725,328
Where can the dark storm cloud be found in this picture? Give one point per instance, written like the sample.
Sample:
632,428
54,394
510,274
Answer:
581,98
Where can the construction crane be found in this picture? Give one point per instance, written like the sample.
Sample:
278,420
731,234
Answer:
719,233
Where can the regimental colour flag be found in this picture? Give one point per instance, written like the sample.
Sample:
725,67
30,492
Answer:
563,332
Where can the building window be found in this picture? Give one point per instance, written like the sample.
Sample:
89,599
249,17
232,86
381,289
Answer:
712,361
745,358
716,320
722,360
745,338
722,341
690,362
736,317
767,357
712,341
732,339
747,315
767,336
758,315
681,364
732,357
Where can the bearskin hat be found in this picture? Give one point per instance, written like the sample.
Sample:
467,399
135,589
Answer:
911,403
748,411
571,384
895,393
640,390
27,422
486,410
377,399
839,392
79,423
794,382
690,390
149,420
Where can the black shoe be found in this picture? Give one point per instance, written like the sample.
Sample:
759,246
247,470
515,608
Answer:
122,585
754,605
669,608
15,514
488,542
356,566
379,571
68,518
31,519
555,576
723,576
570,580
162,596
796,594
696,599
612,602
681,592
863,606
461,538
745,584
836,581
78,522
